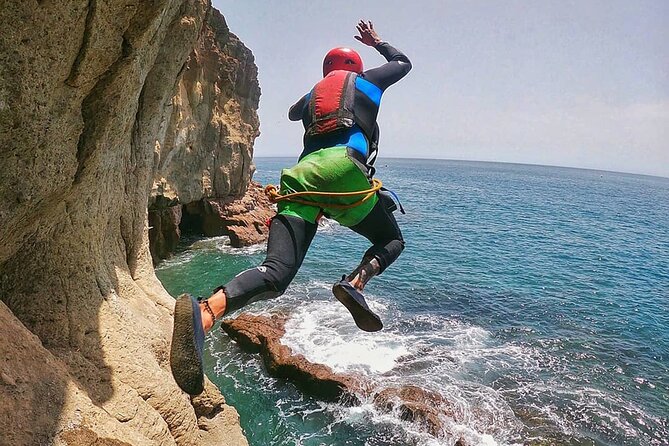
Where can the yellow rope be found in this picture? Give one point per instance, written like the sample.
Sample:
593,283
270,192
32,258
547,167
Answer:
274,196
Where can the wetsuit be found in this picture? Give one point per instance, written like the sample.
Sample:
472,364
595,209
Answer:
335,162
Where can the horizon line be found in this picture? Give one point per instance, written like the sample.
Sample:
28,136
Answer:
594,169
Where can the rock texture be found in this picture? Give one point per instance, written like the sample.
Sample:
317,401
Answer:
244,221
208,144
204,159
414,404
164,230
87,92
261,334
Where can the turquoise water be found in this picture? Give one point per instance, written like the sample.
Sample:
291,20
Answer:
535,299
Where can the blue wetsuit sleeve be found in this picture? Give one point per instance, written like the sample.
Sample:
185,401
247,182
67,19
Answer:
295,112
396,68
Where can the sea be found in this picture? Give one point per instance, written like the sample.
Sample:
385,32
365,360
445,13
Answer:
534,299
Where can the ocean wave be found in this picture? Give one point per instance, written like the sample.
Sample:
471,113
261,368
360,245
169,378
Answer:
324,332
532,299
176,261
487,383
222,244
432,357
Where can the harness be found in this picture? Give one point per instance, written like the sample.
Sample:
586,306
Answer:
274,196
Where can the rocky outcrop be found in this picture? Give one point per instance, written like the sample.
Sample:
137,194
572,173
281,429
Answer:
261,334
208,139
414,404
244,220
87,94
204,161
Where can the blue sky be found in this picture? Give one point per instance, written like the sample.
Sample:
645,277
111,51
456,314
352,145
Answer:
568,83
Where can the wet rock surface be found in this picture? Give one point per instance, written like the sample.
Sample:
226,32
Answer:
415,404
262,334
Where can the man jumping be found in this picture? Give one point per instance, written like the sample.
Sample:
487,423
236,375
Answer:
340,145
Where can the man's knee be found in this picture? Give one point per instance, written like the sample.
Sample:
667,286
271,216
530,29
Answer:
386,253
279,275
259,283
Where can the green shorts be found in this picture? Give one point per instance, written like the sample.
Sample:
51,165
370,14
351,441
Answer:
326,170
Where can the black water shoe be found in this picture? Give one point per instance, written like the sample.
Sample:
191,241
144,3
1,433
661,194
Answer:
187,345
354,302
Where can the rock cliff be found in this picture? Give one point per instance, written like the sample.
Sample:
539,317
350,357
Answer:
203,162
93,127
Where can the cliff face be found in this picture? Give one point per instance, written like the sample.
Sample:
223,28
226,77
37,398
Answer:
205,157
208,144
87,122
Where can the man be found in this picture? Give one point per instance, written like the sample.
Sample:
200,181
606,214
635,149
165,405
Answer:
340,144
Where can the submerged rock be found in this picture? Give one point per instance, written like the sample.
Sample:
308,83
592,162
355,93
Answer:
415,404
261,334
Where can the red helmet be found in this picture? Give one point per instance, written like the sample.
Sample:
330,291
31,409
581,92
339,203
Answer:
342,59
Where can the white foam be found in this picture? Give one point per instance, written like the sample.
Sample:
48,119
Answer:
327,226
210,243
222,244
436,353
434,356
367,414
175,261
471,337
324,332
446,356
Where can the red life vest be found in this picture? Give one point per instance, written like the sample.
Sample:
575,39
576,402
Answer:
331,103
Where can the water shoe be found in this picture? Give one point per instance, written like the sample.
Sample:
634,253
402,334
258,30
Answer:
187,345
354,302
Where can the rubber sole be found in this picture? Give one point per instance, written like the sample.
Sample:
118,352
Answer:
185,357
364,318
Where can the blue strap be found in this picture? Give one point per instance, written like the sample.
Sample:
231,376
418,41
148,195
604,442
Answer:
397,199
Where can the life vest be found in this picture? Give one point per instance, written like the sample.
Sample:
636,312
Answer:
335,104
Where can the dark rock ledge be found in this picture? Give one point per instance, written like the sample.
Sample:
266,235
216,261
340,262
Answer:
244,220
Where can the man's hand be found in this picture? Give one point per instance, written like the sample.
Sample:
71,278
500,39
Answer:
367,34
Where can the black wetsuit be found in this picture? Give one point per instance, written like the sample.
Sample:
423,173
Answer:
289,236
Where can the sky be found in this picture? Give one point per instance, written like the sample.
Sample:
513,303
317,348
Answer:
566,83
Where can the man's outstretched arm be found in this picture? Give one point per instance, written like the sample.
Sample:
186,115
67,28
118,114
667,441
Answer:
398,64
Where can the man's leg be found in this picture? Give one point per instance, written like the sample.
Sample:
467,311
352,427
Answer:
380,228
289,240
